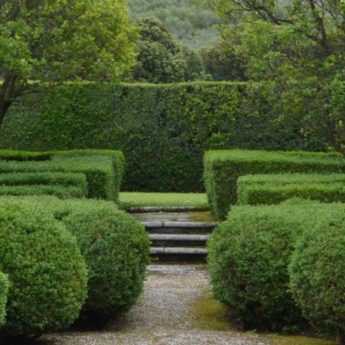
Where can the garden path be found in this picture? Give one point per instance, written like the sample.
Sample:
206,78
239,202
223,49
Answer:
175,309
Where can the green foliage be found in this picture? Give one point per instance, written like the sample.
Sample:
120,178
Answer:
96,37
62,40
298,44
161,59
224,167
115,247
29,179
47,274
291,40
163,130
4,286
191,24
317,274
63,192
273,189
338,110
11,155
248,260
222,64
249,255
103,170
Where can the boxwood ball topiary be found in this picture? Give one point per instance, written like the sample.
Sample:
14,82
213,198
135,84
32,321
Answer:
116,250
4,285
248,263
47,274
317,275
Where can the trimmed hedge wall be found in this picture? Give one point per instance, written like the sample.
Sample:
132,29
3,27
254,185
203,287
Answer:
63,192
103,170
4,286
249,256
273,189
224,167
163,129
29,179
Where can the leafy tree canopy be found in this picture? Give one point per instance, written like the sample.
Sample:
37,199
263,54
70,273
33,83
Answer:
191,23
275,36
161,59
54,40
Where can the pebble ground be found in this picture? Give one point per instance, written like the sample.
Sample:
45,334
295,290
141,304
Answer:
164,315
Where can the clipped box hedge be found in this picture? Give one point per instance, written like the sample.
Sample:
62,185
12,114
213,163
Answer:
13,155
63,192
103,169
273,189
222,168
249,256
55,178
164,129
46,271
4,286
317,275
115,247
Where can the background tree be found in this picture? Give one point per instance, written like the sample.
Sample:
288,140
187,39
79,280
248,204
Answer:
191,23
296,46
161,59
222,63
61,40
278,36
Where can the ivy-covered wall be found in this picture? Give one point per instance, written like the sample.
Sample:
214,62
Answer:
163,130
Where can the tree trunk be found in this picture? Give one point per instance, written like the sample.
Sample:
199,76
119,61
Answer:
7,93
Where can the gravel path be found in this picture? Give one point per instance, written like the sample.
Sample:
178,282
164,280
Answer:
168,313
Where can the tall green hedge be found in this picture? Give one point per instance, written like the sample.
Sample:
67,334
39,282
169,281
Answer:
4,286
163,130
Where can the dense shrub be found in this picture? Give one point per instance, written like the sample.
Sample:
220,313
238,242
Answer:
4,285
42,178
337,109
289,178
162,129
224,167
63,192
115,247
270,194
45,268
103,169
117,161
317,274
12,155
248,261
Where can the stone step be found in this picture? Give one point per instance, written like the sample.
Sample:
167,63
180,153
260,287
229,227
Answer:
178,254
178,251
159,209
173,240
179,228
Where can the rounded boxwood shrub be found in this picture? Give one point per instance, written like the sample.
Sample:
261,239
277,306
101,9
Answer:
248,264
4,284
116,250
47,274
317,275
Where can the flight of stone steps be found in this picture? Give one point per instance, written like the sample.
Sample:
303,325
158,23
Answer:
174,234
